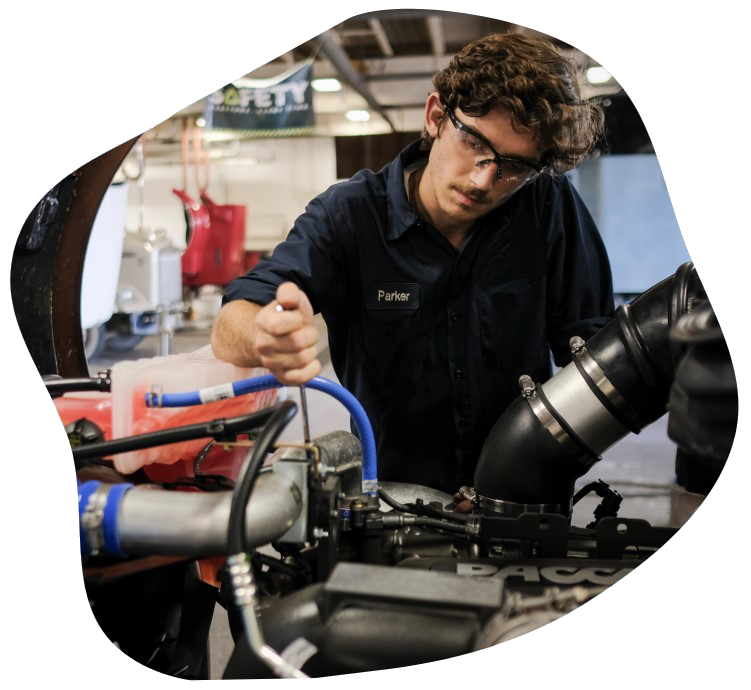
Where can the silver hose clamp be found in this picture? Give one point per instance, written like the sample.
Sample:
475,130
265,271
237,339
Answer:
603,383
549,421
91,519
527,385
468,493
156,396
512,509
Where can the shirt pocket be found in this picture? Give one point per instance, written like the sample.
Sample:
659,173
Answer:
394,346
513,332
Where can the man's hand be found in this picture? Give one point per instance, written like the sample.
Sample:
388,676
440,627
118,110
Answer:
285,337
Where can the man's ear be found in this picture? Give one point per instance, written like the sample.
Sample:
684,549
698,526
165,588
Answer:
434,113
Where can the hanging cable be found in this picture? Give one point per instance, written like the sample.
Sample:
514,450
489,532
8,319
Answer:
184,151
238,562
200,156
282,415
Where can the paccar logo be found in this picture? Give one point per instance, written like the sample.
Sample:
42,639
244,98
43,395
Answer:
555,574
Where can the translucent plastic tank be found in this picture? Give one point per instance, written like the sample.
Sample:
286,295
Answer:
181,373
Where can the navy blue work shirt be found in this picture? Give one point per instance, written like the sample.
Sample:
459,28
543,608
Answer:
431,340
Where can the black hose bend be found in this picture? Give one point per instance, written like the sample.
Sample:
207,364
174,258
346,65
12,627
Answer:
282,415
617,383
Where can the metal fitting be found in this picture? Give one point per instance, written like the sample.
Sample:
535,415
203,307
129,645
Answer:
527,385
576,344
241,579
468,493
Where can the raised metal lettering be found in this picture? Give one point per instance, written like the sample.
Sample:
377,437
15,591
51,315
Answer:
528,572
563,575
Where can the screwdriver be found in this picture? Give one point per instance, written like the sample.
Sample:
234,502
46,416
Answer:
303,401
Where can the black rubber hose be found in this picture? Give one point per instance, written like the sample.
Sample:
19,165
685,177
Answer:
635,351
281,415
523,462
424,521
57,386
220,429
423,510
392,521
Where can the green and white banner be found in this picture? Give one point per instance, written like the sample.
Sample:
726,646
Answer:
280,106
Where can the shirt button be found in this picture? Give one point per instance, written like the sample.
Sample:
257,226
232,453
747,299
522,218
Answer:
454,316
459,373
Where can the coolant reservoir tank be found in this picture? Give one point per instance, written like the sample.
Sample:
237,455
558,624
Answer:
180,373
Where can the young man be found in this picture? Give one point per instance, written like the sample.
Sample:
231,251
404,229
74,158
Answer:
449,273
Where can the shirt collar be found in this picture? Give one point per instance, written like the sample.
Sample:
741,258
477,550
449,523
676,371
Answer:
402,215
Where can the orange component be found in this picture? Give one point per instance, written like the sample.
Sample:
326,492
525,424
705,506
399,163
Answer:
95,406
208,570
147,419
175,460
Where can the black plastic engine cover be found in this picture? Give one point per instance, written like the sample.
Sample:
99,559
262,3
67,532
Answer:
369,618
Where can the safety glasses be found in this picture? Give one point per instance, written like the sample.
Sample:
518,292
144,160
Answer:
473,145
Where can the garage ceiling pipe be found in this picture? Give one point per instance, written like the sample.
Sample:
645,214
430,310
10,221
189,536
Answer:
341,62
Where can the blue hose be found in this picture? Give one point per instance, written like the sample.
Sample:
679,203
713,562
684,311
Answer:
230,390
107,531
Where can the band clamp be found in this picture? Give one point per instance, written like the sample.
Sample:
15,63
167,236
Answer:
92,518
604,389
512,509
597,376
548,420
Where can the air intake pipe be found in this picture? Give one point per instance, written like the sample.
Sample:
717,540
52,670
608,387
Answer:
618,382
119,520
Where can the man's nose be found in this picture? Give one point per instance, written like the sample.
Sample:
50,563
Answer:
484,176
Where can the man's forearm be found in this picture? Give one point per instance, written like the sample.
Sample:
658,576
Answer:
280,337
233,335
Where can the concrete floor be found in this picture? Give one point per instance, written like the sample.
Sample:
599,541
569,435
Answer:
640,467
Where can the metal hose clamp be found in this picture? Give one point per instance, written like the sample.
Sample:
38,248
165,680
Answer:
512,509
92,517
548,420
603,383
468,493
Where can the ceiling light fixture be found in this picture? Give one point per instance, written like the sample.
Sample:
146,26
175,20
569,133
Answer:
598,75
326,85
357,115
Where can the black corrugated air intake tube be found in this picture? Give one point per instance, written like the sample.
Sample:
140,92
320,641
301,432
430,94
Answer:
618,382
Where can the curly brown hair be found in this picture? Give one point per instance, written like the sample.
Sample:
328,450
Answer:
537,84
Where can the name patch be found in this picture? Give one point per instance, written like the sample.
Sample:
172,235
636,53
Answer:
393,296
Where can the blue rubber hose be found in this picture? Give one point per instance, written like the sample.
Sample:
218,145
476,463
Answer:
105,531
245,386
